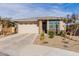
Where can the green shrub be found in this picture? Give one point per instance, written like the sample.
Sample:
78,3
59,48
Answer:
51,34
62,33
42,36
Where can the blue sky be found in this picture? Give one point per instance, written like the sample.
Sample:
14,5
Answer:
27,10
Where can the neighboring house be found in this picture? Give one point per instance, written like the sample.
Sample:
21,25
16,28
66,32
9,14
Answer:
7,27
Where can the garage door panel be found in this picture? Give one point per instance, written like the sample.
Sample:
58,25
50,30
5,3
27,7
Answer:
28,28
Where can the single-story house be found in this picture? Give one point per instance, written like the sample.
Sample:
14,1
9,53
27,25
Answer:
41,24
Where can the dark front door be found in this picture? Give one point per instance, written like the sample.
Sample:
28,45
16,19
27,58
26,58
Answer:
44,26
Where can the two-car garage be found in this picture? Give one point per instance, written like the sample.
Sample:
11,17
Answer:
27,28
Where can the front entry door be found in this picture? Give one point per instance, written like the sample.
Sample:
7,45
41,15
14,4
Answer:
44,26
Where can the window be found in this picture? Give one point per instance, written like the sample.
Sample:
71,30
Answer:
53,25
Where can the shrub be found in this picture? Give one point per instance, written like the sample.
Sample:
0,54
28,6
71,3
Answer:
51,34
42,36
62,33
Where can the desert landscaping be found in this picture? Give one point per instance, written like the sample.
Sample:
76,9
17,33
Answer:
60,42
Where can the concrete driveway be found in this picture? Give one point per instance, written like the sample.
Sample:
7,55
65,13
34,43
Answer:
16,42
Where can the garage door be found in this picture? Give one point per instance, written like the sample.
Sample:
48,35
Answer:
28,28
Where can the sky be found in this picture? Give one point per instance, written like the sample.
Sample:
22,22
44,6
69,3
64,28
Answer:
28,10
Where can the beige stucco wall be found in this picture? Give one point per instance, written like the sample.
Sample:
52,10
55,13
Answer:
62,25
40,26
0,27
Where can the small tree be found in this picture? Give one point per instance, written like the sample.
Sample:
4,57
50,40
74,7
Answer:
65,20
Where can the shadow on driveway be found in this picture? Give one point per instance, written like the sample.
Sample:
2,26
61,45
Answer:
3,54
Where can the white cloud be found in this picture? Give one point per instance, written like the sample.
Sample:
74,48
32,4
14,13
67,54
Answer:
28,10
